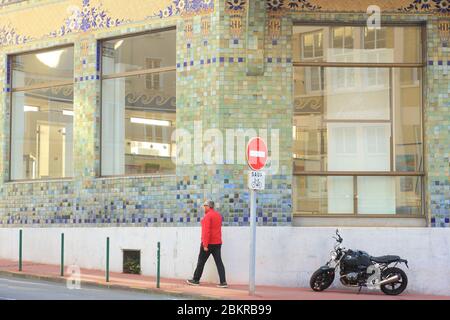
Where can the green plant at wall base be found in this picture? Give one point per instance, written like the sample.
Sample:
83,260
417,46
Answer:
132,267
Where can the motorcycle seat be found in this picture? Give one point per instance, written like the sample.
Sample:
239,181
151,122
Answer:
385,259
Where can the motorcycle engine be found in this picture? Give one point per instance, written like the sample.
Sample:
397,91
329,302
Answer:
353,268
352,277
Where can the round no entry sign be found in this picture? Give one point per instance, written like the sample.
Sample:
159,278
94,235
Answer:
257,154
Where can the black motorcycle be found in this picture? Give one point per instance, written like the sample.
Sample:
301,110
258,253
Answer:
359,269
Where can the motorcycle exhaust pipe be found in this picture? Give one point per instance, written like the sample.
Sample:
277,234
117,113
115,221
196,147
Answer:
390,280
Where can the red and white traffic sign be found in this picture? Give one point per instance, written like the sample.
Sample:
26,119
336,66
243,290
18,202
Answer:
257,154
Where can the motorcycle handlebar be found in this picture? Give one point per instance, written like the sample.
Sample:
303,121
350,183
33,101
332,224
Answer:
339,238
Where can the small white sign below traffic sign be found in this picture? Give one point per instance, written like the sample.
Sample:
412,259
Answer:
256,180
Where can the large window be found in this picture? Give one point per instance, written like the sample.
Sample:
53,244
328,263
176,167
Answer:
138,104
42,115
358,145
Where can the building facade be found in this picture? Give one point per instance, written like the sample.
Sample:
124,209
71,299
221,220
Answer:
357,118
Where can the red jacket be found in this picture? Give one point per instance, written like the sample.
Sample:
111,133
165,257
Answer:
211,228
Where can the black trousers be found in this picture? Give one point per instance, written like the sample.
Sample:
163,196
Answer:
203,256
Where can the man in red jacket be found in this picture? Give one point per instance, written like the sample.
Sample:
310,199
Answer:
211,244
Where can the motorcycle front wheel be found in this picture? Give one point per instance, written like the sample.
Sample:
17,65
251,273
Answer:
396,288
321,280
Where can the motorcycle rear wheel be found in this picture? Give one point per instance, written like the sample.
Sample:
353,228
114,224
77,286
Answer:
396,288
321,280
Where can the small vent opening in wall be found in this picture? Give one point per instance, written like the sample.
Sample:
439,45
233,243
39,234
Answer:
132,261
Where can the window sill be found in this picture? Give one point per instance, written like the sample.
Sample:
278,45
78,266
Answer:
358,221
137,176
56,180
39,181
359,216
360,173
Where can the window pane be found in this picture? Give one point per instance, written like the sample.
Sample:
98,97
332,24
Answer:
350,96
137,125
408,114
326,135
308,46
309,130
318,44
341,129
42,134
44,67
323,195
358,146
309,142
314,195
343,38
338,38
359,45
390,195
369,38
154,50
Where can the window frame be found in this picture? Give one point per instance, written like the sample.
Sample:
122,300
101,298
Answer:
333,28
420,67
13,90
310,90
302,42
375,44
144,72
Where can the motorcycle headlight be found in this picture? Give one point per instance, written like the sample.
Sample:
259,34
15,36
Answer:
333,255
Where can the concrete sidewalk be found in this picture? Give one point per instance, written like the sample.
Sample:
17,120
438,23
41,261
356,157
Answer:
205,291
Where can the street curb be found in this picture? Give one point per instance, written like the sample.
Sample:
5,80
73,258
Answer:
86,283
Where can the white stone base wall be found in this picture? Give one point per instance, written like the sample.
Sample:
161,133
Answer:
286,256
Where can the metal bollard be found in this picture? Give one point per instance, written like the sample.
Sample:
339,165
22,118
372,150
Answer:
158,266
20,250
62,254
107,259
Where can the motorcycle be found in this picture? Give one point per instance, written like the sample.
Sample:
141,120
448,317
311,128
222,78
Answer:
359,269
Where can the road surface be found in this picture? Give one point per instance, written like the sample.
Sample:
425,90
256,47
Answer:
27,289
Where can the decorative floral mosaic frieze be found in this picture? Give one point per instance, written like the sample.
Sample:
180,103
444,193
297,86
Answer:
302,4
278,5
415,6
235,5
85,19
9,36
185,7
275,5
439,6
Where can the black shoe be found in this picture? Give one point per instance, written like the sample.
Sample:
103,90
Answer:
222,285
192,282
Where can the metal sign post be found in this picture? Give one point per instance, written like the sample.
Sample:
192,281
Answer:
252,275
256,181
256,158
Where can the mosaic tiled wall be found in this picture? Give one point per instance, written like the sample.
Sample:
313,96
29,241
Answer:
234,70
437,121
258,69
